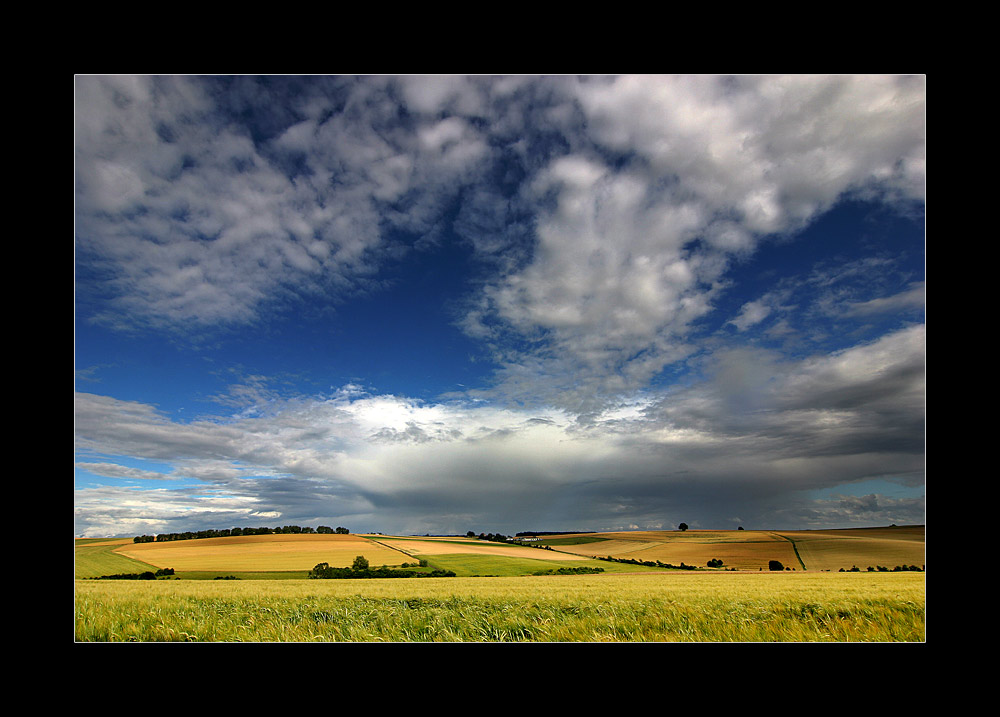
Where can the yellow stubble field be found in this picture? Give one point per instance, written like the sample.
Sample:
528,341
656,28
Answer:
263,552
452,547
754,549
743,550
871,547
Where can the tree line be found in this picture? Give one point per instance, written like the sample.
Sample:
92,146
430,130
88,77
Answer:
228,532
492,537
148,575
883,569
361,569
649,563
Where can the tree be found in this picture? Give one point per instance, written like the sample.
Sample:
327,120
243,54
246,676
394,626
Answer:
775,565
683,526
360,563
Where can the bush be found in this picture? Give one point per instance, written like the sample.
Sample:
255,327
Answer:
570,571
775,565
325,572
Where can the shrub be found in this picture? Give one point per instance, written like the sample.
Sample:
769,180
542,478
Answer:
360,563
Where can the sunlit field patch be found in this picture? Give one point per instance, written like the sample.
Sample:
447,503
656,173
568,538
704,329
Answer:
263,552
754,549
832,551
440,547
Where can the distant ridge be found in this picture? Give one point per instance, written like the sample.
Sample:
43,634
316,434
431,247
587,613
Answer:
553,532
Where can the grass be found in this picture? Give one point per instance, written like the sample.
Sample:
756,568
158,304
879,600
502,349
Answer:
94,560
651,607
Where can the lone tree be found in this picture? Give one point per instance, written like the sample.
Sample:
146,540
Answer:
775,565
360,563
683,526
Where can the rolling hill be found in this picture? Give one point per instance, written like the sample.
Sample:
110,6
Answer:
294,555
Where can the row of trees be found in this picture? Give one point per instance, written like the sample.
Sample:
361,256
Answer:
227,532
148,575
647,563
570,571
883,569
361,569
494,537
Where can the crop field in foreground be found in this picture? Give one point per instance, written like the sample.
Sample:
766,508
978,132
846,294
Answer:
640,607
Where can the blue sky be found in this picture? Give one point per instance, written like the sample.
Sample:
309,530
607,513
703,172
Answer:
416,304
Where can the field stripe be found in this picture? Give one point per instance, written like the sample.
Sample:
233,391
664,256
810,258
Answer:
799,557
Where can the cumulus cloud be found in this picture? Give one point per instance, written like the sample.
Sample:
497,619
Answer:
676,178
639,190
198,221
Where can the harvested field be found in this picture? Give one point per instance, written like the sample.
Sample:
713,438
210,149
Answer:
446,547
614,548
742,555
833,550
915,533
262,552
754,549
740,549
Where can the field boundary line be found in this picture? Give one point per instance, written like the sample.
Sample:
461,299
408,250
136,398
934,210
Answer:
794,548
392,547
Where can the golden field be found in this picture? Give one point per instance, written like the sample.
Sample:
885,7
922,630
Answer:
835,549
262,553
418,548
753,549
745,550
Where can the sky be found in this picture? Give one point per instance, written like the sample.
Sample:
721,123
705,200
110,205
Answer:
434,304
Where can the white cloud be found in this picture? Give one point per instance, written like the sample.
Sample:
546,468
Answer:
912,298
114,470
721,159
200,225
751,313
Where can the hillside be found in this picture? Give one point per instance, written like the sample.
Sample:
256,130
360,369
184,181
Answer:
293,555
753,549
